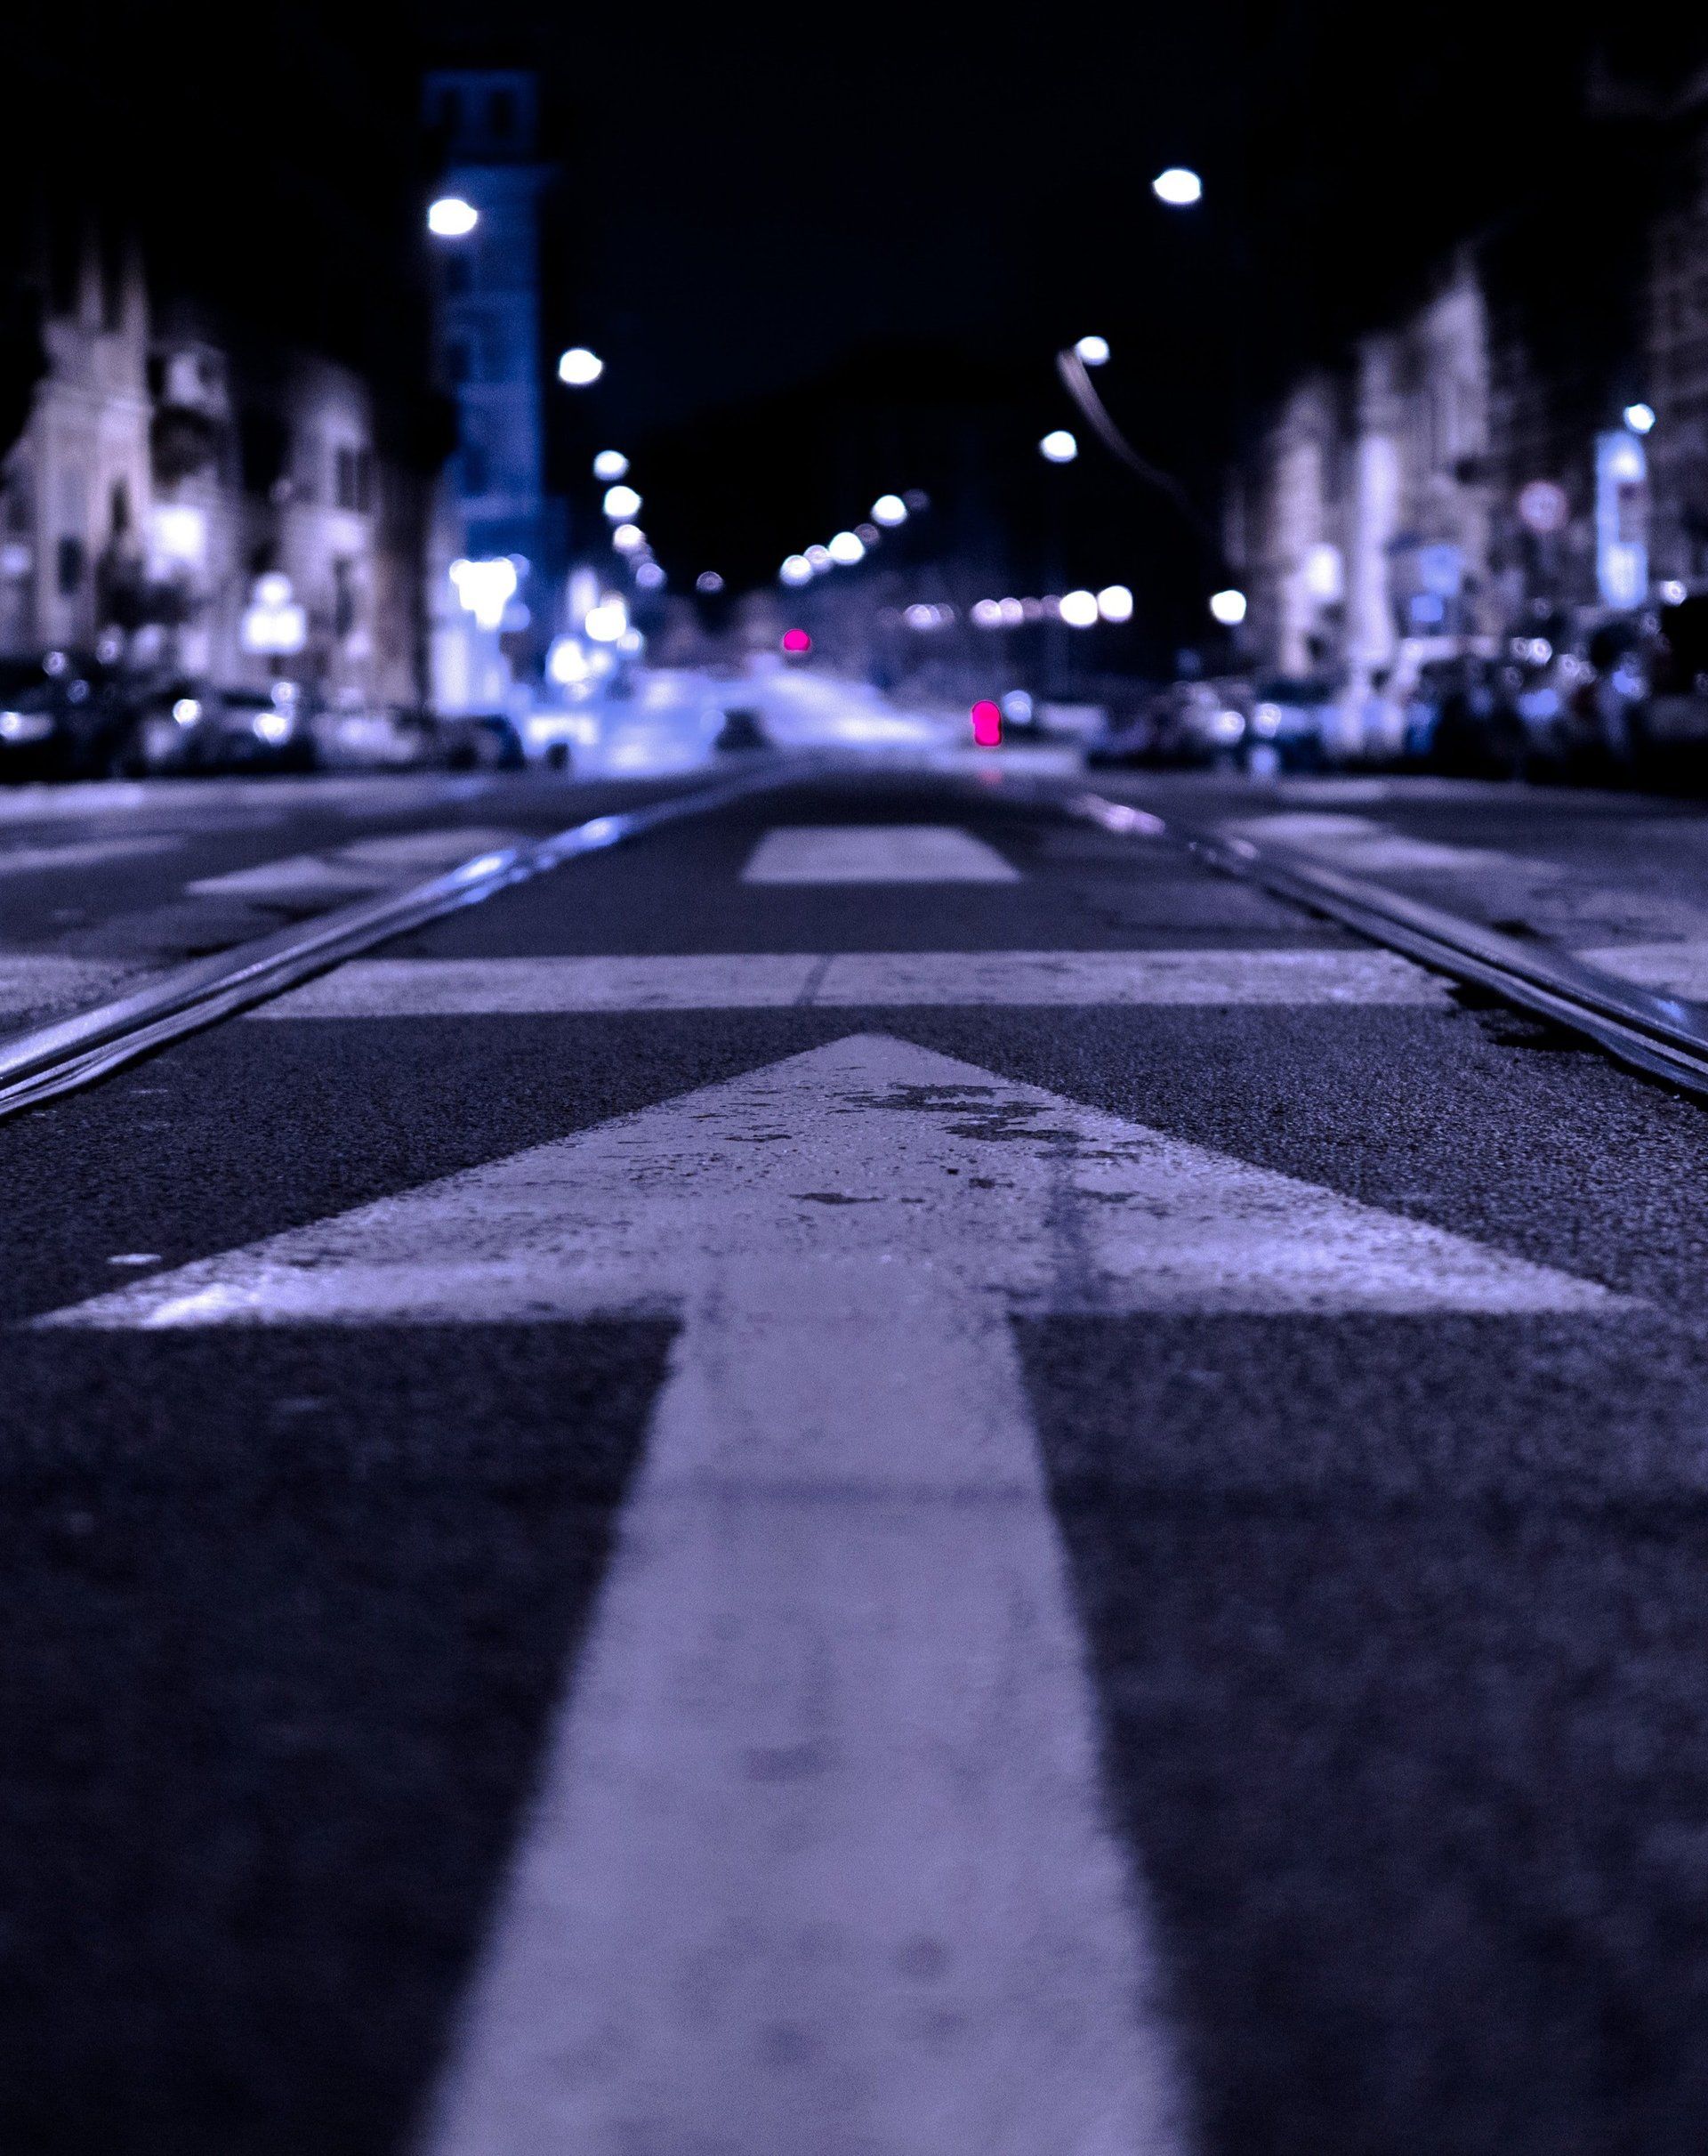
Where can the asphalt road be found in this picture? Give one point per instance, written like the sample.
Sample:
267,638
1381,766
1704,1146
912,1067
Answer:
883,1474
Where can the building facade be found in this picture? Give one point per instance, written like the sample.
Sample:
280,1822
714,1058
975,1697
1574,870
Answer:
180,498
492,505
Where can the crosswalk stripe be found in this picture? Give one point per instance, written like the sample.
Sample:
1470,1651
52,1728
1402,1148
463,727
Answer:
441,988
369,864
1678,968
83,853
875,854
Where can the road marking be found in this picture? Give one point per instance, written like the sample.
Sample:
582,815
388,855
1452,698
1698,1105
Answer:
370,864
819,1858
1356,842
442,988
875,854
1678,969
83,854
37,983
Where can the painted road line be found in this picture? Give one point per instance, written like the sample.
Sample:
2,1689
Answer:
368,865
34,984
875,854
1368,847
441,988
83,853
819,1843
555,1232
59,1058
1677,969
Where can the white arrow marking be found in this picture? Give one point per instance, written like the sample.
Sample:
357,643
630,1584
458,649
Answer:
875,854
819,1862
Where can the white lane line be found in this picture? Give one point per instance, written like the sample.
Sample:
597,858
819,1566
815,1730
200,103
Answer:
1679,968
368,864
1357,844
83,854
875,854
41,984
818,1860
437,987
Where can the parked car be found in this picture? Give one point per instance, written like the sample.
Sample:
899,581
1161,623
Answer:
61,716
480,741
373,736
176,725
1292,719
1673,717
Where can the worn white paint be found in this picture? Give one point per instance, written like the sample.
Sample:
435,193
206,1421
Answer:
818,1860
83,853
1674,968
436,987
33,983
370,864
875,854
1363,847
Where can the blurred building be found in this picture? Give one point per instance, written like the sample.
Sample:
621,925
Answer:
1521,450
182,495
488,354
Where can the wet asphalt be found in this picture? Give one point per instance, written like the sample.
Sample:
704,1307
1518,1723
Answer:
1396,1625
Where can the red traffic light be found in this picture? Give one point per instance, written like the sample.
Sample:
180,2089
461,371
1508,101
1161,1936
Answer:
796,640
987,723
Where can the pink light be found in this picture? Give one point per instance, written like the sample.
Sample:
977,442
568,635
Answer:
987,723
796,640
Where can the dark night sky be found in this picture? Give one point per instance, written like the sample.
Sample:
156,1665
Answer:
763,213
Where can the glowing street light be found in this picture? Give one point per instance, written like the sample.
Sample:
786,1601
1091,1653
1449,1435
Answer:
610,464
485,589
1058,448
1179,186
452,218
579,367
846,549
621,503
1093,351
628,538
608,623
796,569
1228,607
1639,417
1115,602
819,560
890,509
1079,608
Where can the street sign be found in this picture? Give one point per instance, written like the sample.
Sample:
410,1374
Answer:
1543,507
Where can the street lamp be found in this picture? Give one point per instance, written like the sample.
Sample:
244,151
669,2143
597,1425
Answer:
846,549
579,367
452,218
890,509
1179,186
1059,447
1639,417
1115,602
621,504
1079,608
1228,607
797,569
1093,351
610,464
